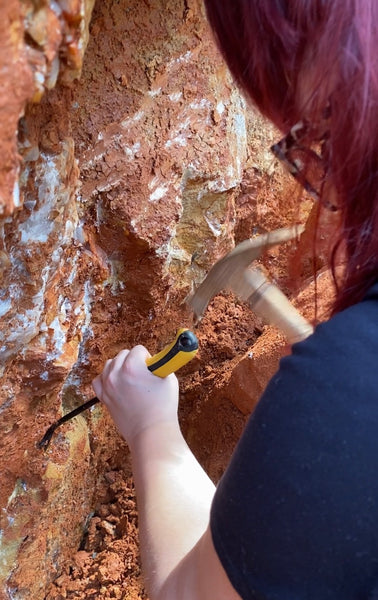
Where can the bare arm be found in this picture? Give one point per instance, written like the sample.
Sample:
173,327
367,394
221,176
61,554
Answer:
174,493
174,496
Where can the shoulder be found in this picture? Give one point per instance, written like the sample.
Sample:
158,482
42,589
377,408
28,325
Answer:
354,328
338,359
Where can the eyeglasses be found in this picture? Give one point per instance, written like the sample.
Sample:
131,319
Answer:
304,163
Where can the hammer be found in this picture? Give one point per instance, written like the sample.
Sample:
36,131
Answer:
233,272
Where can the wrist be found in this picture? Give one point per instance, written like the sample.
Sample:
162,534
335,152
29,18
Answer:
158,440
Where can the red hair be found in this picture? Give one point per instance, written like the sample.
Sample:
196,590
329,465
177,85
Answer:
296,58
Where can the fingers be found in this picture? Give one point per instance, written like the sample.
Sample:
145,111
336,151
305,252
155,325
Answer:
113,364
134,361
109,366
118,361
138,355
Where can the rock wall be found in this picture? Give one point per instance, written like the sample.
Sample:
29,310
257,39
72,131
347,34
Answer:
130,164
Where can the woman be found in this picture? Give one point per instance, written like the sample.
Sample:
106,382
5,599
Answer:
295,515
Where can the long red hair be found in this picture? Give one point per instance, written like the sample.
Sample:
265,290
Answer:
294,59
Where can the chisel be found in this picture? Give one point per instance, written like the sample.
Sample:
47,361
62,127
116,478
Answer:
174,356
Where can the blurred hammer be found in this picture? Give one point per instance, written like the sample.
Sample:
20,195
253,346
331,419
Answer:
233,272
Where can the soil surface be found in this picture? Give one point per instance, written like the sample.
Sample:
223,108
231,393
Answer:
107,564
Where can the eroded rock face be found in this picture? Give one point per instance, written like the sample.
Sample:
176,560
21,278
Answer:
118,194
118,191
41,41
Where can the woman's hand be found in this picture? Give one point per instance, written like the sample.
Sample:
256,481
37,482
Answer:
136,398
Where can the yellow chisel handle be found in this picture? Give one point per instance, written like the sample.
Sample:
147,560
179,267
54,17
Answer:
174,356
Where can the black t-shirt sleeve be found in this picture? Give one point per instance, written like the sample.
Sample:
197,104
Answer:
295,515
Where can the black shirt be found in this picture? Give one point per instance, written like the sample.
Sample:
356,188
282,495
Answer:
295,516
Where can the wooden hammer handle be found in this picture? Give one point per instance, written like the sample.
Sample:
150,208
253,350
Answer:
267,301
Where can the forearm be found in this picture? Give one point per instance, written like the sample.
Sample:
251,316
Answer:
174,495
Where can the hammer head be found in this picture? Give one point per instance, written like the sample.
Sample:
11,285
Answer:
228,272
